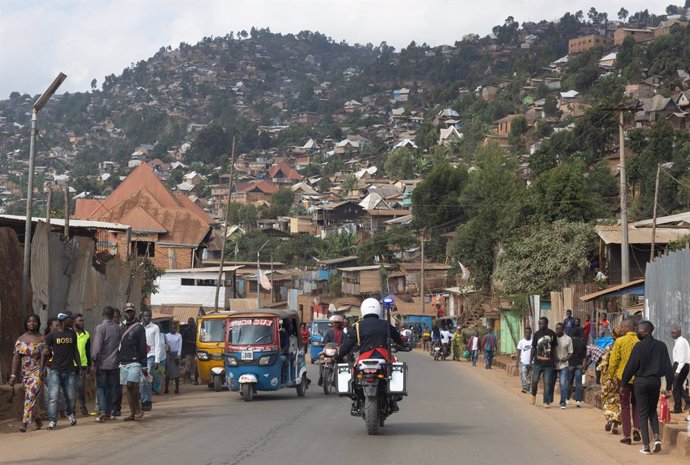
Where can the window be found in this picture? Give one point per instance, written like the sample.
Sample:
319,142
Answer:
143,249
187,282
212,330
251,331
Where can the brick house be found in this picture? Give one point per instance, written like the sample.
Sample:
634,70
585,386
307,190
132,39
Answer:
166,227
584,43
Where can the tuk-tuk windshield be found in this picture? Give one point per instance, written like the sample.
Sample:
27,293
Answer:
248,331
212,330
320,328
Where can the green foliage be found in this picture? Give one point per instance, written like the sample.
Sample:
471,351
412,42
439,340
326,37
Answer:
679,244
400,164
544,257
210,142
242,215
334,286
337,245
281,203
384,244
436,200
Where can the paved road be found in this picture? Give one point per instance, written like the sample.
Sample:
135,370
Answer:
454,414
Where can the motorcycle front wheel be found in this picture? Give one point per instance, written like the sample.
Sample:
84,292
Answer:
327,380
371,415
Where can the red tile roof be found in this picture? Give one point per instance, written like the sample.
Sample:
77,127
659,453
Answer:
263,186
288,173
144,203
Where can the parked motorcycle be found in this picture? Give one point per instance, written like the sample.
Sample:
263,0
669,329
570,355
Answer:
440,351
327,367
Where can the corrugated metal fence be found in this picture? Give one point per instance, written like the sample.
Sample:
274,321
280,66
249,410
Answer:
667,295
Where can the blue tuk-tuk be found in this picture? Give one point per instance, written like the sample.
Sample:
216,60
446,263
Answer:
318,330
262,352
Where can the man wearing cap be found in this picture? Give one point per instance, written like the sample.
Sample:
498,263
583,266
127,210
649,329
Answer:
66,364
132,357
154,355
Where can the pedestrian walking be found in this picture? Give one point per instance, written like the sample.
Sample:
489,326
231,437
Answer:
159,374
304,335
473,344
681,366
26,362
576,365
620,354
587,327
524,348
648,363
172,367
568,322
189,352
106,364
610,398
132,355
117,400
489,345
66,364
153,358
458,344
84,348
564,350
544,343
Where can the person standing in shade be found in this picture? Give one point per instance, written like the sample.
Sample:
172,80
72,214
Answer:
159,374
564,350
587,328
132,355
576,366
172,367
473,345
681,365
544,343
524,348
304,335
106,364
66,364
26,362
489,346
189,352
568,322
620,354
648,363
84,347
153,358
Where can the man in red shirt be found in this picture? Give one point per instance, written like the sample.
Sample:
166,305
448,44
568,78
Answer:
304,335
587,328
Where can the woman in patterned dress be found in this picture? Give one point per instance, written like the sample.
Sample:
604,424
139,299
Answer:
27,356
610,399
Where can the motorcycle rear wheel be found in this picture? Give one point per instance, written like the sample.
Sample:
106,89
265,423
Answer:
371,415
327,380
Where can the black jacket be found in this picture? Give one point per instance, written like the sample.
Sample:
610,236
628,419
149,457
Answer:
373,334
649,359
133,345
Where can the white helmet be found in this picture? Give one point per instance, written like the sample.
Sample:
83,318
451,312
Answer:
371,306
336,319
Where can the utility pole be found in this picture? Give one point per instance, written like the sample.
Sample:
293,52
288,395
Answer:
225,230
656,200
271,277
66,212
625,248
421,276
49,195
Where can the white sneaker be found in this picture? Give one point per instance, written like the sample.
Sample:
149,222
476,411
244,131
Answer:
52,425
577,404
72,420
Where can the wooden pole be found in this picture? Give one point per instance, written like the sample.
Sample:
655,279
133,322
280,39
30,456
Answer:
656,200
421,277
66,211
225,230
625,247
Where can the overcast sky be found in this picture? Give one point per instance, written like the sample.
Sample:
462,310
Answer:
89,39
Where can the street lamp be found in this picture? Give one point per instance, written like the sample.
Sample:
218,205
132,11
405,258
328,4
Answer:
258,276
38,105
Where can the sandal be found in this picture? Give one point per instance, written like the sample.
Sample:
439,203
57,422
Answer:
608,426
129,418
22,429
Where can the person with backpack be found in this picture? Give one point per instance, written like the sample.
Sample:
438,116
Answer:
489,344
132,355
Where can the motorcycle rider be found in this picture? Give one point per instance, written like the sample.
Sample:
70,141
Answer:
334,334
371,335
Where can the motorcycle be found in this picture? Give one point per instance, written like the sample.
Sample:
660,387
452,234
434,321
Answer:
375,386
327,367
440,351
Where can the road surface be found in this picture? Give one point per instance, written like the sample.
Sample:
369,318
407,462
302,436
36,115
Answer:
454,414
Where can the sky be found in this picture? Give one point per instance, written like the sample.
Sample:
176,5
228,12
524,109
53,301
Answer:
89,39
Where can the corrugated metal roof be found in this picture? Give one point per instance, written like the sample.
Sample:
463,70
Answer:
211,269
678,219
87,224
335,261
612,235
614,290
364,268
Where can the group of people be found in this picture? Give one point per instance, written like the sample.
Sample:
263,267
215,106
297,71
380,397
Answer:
629,370
131,357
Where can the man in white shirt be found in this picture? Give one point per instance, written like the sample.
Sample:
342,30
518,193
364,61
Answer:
446,337
681,366
154,348
172,368
564,350
524,348
473,344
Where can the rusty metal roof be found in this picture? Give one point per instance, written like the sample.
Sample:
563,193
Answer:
613,235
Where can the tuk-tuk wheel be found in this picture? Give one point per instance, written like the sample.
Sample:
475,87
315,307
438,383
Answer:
302,386
247,392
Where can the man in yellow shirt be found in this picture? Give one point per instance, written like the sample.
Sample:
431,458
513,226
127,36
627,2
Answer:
620,353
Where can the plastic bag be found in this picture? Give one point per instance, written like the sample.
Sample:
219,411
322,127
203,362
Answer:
664,410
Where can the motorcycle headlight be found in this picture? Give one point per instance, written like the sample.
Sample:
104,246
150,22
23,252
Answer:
315,344
265,360
330,352
201,355
231,361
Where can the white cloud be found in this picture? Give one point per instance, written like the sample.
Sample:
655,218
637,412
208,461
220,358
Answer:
91,39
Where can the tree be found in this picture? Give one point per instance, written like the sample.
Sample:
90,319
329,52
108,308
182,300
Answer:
563,250
622,14
348,184
337,245
494,200
400,164
281,202
436,200
211,142
93,84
